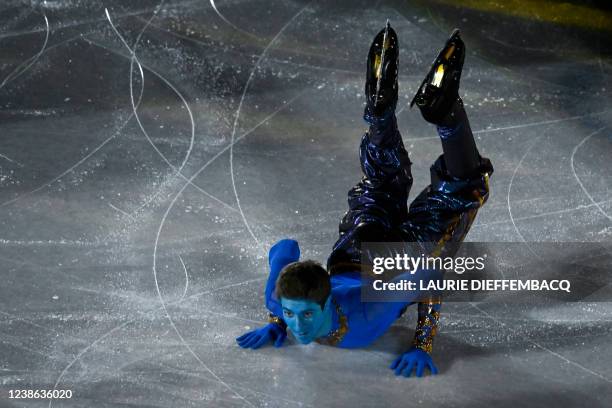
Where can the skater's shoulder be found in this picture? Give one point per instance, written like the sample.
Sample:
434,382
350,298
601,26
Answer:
346,288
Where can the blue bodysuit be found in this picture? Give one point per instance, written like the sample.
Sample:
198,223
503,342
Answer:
359,323
439,216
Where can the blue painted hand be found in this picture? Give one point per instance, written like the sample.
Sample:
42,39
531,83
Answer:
416,359
259,337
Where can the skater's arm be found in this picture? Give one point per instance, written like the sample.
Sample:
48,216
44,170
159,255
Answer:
281,254
418,357
427,324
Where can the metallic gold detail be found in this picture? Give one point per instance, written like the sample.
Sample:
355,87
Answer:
449,52
384,47
452,226
437,79
439,74
379,58
277,320
386,42
477,194
335,337
446,236
377,66
427,325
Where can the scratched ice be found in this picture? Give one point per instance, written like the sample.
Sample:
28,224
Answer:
152,151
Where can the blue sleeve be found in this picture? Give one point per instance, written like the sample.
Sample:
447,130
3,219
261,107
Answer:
281,254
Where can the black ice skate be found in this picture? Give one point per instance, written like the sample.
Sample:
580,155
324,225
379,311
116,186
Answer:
439,90
381,75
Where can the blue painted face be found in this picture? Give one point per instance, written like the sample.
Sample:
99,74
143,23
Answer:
305,318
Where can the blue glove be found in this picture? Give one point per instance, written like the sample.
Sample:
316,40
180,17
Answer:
258,337
413,358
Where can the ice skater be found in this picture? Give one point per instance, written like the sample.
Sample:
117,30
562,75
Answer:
324,304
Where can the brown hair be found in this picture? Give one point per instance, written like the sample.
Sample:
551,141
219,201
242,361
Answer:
304,280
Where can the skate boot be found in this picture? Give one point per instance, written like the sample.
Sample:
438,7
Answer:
381,75
440,89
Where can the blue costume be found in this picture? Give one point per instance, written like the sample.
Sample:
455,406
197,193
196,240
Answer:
354,323
441,214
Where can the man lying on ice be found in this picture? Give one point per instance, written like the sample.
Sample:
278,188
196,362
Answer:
325,306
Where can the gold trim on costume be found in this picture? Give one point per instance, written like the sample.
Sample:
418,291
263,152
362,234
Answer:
335,337
277,320
427,326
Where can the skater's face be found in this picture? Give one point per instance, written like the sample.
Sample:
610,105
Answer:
304,318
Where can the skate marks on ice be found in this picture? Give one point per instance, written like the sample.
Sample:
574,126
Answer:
178,194
82,159
119,210
156,149
28,63
237,117
73,167
116,328
229,23
593,203
147,314
518,166
2,156
520,234
186,278
124,124
586,192
134,59
546,349
542,214
96,342
181,275
120,129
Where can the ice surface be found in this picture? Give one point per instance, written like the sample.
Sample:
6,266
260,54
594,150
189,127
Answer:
146,169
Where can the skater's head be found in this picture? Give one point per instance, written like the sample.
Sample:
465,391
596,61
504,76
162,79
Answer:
304,291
